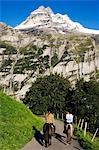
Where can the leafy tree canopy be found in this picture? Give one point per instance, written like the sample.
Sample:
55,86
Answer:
85,102
47,91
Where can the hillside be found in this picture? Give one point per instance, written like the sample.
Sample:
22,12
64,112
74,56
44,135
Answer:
16,123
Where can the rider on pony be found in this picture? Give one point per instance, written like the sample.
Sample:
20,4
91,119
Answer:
48,127
69,126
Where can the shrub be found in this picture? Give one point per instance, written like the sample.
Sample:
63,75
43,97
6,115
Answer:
85,141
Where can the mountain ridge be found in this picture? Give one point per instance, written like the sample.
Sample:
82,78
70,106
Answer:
45,17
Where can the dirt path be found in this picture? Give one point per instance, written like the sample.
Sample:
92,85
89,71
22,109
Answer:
58,143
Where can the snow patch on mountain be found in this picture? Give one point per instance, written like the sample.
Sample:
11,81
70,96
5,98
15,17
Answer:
44,17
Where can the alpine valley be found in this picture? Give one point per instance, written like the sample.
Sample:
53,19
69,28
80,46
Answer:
46,43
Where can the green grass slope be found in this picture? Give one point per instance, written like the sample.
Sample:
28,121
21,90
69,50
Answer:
16,123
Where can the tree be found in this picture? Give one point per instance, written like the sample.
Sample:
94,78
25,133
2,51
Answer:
54,60
85,102
47,91
51,44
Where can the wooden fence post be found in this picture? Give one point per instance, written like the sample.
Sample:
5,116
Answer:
79,123
62,116
85,128
75,120
57,116
44,114
94,134
82,123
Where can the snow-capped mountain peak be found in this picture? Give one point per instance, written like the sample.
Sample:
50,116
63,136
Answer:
42,18
42,9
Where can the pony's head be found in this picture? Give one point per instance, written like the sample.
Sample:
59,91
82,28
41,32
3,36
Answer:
69,127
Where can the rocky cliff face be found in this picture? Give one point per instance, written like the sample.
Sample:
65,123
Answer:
28,52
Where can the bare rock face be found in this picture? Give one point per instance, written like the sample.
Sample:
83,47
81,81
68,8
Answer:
46,43
96,38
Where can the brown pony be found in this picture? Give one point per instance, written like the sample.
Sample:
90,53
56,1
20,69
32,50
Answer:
47,134
69,132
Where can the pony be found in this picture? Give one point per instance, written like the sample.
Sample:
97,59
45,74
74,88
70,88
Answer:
69,132
47,134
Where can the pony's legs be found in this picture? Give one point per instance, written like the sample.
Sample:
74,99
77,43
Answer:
69,139
46,142
50,139
46,139
69,136
50,135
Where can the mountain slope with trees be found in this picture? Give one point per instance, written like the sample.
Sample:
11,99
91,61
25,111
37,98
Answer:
74,56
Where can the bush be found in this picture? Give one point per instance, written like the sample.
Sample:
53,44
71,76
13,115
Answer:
85,141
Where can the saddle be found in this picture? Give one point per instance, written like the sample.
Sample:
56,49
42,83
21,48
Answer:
66,126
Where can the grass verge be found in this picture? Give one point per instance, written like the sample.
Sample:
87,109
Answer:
17,121
85,141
